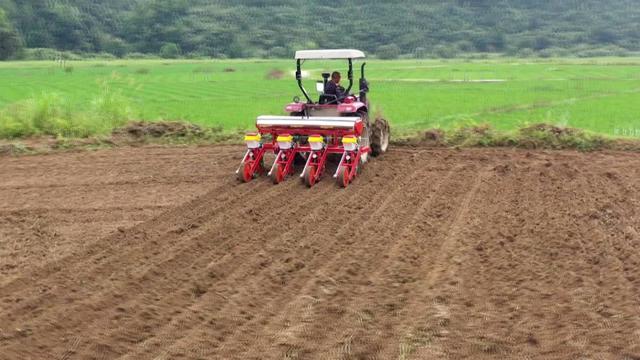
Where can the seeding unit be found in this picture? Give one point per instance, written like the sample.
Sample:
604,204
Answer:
315,131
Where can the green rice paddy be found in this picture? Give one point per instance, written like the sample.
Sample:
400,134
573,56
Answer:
601,95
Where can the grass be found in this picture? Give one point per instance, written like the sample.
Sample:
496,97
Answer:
601,96
55,115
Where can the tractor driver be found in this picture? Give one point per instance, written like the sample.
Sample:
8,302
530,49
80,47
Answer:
333,86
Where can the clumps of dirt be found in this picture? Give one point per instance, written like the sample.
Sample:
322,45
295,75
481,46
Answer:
46,144
198,290
141,129
503,169
551,129
11,149
476,135
538,136
435,135
625,145
631,234
170,132
133,134
612,175
275,74
555,137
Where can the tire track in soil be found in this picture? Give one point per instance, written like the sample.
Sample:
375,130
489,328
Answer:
356,342
335,302
410,280
293,306
423,337
109,293
323,288
314,330
248,251
169,331
258,284
588,282
183,216
192,209
161,220
472,338
623,258
318,195
511,203
176,180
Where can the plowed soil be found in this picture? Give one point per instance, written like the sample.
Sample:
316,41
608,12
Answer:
158,253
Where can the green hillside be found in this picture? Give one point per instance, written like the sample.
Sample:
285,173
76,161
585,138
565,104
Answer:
274,28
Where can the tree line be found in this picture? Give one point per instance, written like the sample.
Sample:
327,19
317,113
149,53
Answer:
276,28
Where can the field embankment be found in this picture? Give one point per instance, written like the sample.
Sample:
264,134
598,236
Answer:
139,133
158,253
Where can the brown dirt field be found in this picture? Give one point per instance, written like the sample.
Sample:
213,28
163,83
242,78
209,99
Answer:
158,253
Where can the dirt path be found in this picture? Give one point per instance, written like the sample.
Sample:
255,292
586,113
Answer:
157,253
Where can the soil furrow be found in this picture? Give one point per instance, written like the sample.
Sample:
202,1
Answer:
316,249
158,253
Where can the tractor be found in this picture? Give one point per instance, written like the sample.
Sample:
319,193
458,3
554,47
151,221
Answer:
334,126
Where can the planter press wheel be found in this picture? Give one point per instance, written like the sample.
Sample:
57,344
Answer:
244,175
309,177
343,176
277,176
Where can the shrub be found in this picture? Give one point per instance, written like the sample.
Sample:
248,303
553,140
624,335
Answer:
525,53
49,54
278,52
100,55
445,52
170,51
139,56
116,47
388,52
10,43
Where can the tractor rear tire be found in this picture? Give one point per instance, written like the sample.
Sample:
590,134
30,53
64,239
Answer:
380,133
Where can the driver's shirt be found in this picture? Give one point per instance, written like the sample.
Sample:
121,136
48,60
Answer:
334,89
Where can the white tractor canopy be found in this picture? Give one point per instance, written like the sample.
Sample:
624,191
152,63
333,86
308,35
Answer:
329,54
